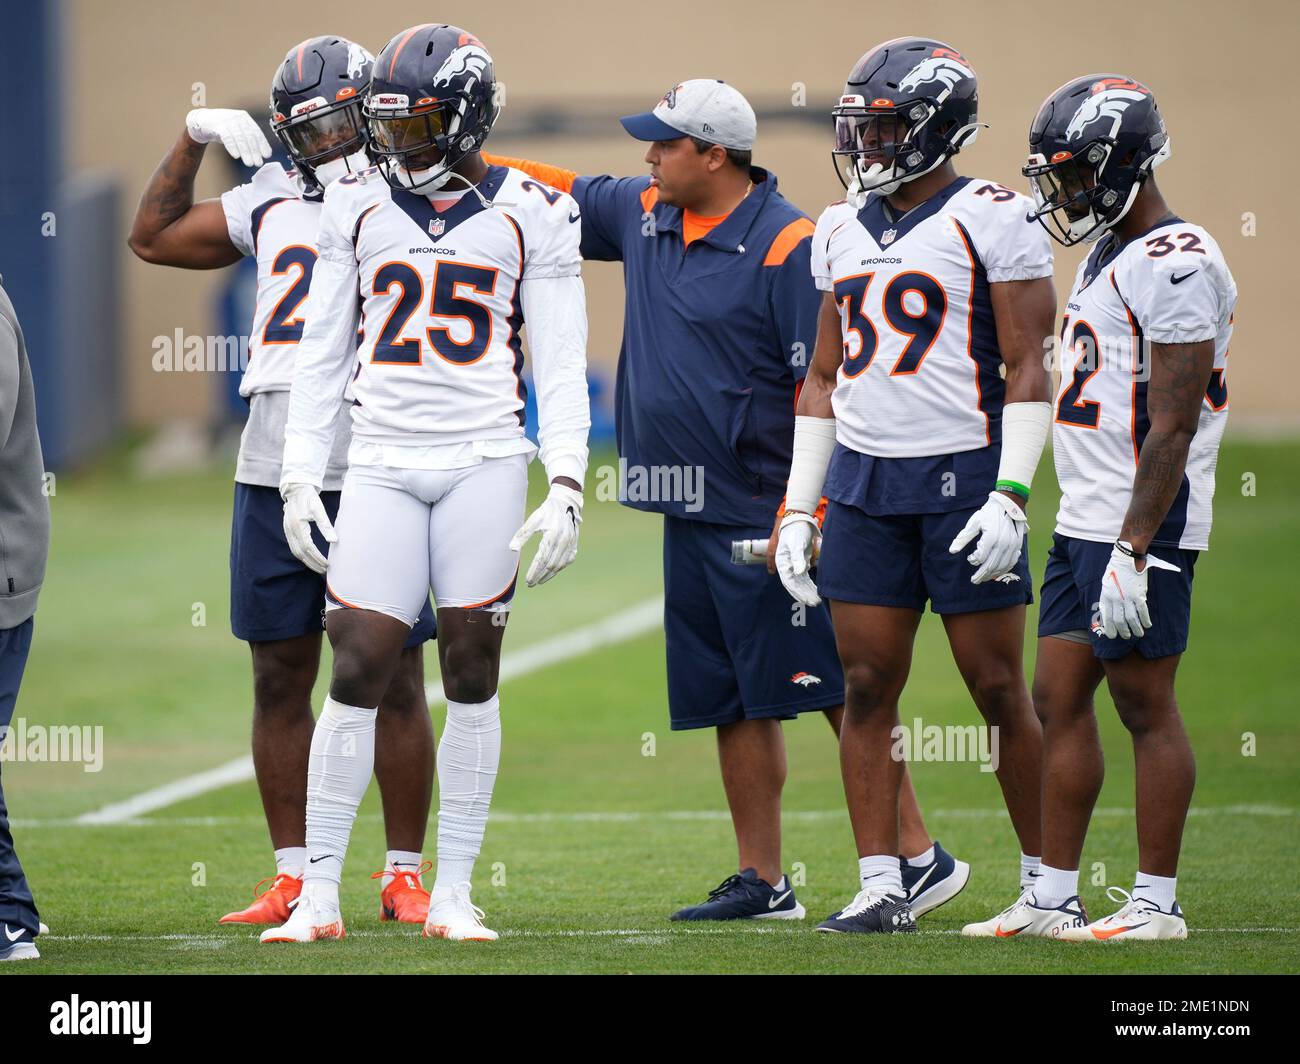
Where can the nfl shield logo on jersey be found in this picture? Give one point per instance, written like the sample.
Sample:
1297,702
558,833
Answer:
887,237
437,227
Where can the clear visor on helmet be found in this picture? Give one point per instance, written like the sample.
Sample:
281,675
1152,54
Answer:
1063,186
873,136
334,132
408,132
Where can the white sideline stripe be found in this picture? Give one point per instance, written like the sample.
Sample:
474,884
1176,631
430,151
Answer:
616,628
628,817
658,934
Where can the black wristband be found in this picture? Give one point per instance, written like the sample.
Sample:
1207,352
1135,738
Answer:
1124,548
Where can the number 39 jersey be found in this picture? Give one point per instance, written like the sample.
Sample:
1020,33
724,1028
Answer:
440,359
1169,286
921,370
269,219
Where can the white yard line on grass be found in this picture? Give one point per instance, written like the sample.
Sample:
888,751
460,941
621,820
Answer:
611,816
617,628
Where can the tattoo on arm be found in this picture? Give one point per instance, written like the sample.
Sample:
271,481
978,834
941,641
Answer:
170,192
1180,374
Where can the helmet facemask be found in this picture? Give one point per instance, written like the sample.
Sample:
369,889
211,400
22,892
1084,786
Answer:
879,147
418,148
325,141
1077,200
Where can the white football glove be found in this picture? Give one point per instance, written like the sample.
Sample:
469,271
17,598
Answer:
237,131
1001,526
796,541
302,509
557,519
1123,604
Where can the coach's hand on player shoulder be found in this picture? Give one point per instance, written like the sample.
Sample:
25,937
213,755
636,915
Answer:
557,519
1123,605
238,132
1000,525
302,509
796,541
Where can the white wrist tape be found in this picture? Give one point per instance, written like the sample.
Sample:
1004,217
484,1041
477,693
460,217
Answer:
1024,434
814,441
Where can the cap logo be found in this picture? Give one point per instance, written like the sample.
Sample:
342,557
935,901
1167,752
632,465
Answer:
670,97
706,128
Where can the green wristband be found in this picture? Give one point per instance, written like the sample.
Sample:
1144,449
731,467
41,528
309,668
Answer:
1011,485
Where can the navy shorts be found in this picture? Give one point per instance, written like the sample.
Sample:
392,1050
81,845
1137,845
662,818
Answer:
1072,589
272,594
903,560
734,651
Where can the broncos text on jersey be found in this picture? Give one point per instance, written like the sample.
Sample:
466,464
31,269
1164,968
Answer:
1169,286
921,370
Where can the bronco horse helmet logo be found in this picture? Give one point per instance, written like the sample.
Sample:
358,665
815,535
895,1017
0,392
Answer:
1109,98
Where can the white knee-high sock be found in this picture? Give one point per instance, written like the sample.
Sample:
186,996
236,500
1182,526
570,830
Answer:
468,755
338,772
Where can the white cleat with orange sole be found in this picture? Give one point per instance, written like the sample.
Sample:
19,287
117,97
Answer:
1138,920
1025,919
311,921
453,916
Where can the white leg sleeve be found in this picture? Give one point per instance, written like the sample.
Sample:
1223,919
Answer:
467,771
338,772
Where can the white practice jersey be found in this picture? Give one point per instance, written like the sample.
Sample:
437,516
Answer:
921,372
269,219
442,297
1169,286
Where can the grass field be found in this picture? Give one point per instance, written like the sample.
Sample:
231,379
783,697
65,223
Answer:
592,843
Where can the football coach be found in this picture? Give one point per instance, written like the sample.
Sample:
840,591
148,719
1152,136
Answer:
720,322
24,544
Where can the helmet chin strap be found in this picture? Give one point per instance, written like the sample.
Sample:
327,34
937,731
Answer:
329,172
1151,164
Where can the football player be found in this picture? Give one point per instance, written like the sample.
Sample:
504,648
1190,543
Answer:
933,283
1139,415
446,257
276,603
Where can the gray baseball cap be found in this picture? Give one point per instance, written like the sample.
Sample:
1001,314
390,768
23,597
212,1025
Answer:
703,107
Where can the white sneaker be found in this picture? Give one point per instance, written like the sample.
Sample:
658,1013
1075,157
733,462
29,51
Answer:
1138,920
988,928
310,921
452,915
1031,920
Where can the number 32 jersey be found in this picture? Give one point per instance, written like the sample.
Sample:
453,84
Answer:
1169,286
921,371
440,359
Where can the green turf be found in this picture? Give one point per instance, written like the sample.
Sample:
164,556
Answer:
597,842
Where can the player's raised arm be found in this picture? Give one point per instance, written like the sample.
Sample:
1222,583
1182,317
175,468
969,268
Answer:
321,367
170,229
555,176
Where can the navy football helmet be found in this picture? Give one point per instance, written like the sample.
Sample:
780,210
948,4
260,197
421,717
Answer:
1092,144
432,102
909,105
316,107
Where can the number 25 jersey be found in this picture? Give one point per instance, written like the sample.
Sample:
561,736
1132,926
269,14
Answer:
440,360
1169,286
921,370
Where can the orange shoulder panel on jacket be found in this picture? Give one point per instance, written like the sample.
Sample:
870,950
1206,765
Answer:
786,241
555,176
649,197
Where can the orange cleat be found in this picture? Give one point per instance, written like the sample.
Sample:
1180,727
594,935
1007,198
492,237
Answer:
404,900
272,905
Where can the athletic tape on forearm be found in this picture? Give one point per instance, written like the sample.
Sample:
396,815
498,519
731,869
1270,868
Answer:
1024,434
814,441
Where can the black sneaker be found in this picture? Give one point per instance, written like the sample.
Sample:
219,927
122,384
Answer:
938,882
872,912
746,897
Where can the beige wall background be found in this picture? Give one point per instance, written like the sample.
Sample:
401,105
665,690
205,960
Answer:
1222,74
